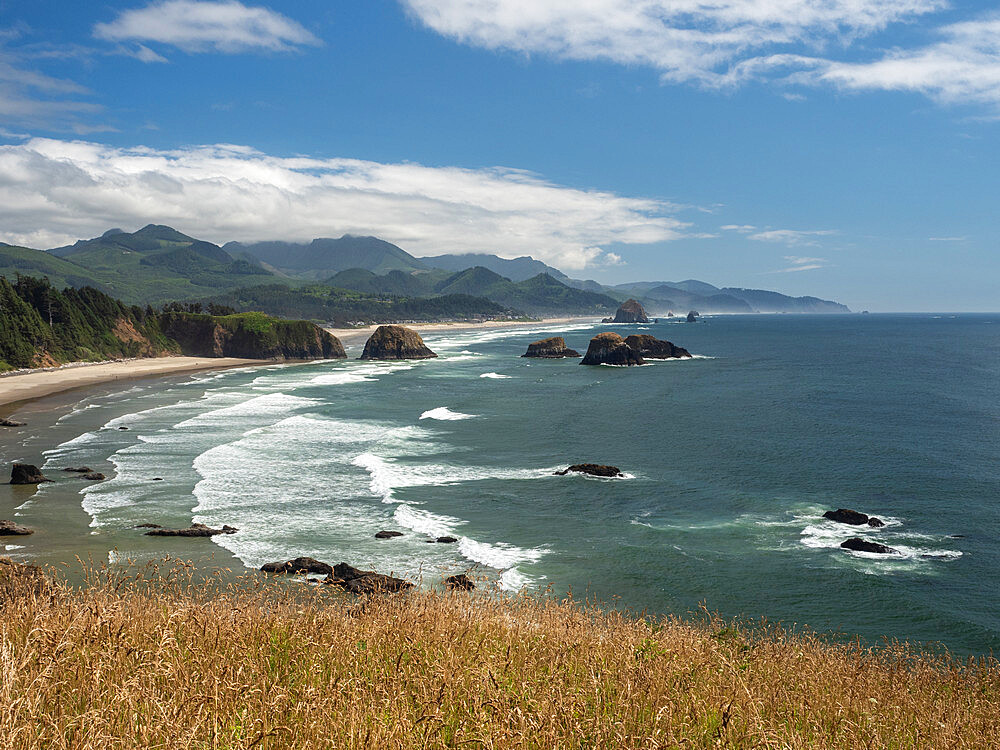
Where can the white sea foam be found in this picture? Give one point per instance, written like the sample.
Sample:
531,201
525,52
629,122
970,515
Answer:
425,522
443,413
464,340
495,376
258,408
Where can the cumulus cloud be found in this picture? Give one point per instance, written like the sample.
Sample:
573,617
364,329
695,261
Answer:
53,191
207,26
685,40
963,67
791,236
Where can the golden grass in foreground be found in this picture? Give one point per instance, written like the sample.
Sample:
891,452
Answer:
123,664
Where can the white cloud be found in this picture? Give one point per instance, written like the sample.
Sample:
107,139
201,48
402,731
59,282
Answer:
741,228
31,98
72,189
948,239
964,67
801,263
791,237
686,40
207,26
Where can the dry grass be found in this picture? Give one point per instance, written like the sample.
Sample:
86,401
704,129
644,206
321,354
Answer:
119,663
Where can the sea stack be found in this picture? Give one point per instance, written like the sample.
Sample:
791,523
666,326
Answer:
653,348
396,342
630,312
553,348
693,316
26,474
610,349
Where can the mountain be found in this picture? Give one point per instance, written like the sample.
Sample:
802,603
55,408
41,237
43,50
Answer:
16,261
516,269
539,294
154,265
698,295
764,301
325,257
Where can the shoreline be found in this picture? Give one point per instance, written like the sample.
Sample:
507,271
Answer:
30,386
17,389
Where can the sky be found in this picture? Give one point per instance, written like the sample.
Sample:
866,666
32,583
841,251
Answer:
845,149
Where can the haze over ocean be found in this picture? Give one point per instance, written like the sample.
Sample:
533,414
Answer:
730,460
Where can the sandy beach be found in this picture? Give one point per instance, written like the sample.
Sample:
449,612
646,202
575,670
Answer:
31,385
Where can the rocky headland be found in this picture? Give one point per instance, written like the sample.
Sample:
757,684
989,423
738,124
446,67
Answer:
396,342
553,348
610,349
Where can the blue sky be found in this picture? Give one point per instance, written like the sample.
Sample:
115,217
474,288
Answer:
844,148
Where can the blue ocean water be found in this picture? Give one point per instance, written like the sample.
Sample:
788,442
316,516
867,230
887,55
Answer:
730,460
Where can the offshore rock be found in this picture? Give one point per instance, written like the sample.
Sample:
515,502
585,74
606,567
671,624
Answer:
595,470
845,515
653,348
80,470
26,474
460,582
553,348
875,523
858,544
356,581
387,534
610,349
95,476
10,423
9,528
631,311
446,540
692,317
195,529
299,565
396,342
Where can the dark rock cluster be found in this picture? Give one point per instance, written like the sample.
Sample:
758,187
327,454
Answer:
650,347
594,470
610,349
553,348
195,530
853,517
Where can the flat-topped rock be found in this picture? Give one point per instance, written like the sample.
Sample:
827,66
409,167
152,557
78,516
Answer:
594,470
26,474
553,348
356,581
387,534
853,517
630,311
95,476
396,342
610,349
857,544
9,528
80,470
194,530
299,565
651,347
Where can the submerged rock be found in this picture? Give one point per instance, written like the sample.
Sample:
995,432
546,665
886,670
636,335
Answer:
299,565
446,540
692,317
460,582
9,528
651,347
610,349
95,476
26,474
875,523
10,423
553,348
356,581
388,534
81,470
396,342
195,529
630,311
147,526
857,544
596,470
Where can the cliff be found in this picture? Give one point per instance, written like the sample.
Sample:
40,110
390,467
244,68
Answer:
250,336
396,342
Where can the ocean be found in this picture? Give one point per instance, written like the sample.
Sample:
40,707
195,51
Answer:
730,460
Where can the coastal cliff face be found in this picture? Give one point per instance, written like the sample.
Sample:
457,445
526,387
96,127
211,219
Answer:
249,336
631,311
651,347
553,348
611,349
396,342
